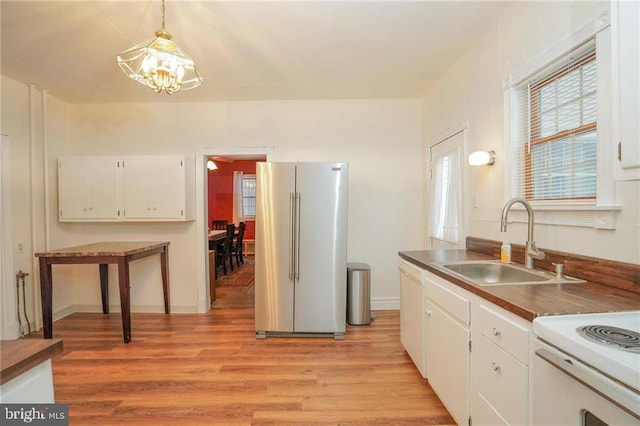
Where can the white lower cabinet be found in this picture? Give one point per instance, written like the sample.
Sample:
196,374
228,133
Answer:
447,345
474,353
412,313
500,366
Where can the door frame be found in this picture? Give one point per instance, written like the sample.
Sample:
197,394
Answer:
442,138
202,214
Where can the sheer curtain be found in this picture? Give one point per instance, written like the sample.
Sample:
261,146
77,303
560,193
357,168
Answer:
445,217
238,214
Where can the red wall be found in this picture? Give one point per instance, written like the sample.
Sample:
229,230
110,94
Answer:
220,189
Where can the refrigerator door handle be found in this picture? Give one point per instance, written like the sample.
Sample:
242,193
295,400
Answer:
292,208
297,238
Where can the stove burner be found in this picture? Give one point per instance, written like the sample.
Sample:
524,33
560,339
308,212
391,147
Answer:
619,338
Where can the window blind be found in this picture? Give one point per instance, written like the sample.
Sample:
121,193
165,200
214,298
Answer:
556,146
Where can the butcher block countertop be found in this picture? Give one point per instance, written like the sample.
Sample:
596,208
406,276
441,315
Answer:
531,300
18,356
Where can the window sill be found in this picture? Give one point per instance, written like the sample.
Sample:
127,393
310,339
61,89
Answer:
588,216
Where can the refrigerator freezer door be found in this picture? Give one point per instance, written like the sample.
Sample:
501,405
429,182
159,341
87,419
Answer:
320,291
275,187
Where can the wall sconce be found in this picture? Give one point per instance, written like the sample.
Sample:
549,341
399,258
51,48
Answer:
211,165
481,158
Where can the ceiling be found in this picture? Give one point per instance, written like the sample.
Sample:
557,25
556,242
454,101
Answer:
245,50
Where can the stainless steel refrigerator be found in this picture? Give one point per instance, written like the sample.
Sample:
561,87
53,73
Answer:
301,249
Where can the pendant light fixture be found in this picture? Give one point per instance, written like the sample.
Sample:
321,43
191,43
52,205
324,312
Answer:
160,64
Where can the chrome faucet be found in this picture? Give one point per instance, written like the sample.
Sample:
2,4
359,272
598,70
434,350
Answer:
530,251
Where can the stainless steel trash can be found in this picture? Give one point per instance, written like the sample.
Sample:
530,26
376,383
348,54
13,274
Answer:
358,294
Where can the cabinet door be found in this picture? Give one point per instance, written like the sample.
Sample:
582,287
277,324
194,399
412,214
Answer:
626,19
412,314
502,381
448,360
154,187
88,188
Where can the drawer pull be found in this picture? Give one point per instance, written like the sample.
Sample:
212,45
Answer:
495,332
495,367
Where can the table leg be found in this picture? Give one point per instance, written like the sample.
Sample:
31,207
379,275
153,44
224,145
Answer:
104,287
125,298
46,298
164,265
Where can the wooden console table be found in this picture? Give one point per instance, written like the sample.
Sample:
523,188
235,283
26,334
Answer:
120,253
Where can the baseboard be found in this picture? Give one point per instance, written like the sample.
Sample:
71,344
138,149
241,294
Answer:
143,309
385,304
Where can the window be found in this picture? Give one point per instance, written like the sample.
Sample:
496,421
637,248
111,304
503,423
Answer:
558,156
249,196
558,112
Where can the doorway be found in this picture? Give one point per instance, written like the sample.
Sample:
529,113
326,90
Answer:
231,200
229,294
446,193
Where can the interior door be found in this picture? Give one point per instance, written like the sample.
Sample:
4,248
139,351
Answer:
320,290
446,193
275,185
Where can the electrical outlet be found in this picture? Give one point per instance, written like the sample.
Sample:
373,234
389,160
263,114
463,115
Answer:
19,248
476,201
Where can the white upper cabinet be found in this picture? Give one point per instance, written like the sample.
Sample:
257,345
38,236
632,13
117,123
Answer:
156,188
135,188
626,35
88,188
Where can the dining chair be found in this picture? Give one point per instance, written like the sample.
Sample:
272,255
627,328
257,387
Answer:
223,251
236,248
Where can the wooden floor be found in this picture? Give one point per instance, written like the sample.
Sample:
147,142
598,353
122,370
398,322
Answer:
208,369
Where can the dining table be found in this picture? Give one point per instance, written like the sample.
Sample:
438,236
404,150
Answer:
102,254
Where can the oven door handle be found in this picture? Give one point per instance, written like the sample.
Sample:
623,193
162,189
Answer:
614,392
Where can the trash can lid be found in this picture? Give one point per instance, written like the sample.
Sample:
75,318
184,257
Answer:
357,266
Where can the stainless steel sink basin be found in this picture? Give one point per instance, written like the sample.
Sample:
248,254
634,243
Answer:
492,273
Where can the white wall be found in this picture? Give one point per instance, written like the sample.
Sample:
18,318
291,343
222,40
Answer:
471,91
381,140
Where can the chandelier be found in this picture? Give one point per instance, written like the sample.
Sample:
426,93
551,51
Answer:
160,64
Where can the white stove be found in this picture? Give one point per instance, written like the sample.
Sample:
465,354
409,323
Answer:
562,332
599,355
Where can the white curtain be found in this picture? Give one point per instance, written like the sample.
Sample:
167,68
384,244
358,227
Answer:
445,218
238,214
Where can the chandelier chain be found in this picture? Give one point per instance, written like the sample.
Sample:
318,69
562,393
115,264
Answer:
162,8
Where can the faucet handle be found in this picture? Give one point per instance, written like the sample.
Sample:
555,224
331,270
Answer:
534,252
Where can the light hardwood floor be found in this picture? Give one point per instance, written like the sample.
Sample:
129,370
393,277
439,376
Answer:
209,369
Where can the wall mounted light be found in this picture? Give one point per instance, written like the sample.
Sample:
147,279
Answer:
481,158
211,165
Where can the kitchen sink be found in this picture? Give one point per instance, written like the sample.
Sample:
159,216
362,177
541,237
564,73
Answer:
493,273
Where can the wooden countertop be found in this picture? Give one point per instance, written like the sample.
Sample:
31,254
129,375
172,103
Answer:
18,356
531,300
113,248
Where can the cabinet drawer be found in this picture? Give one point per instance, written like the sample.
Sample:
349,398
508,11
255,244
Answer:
502,381
450,301
504,332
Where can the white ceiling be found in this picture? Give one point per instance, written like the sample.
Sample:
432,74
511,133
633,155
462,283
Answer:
245,50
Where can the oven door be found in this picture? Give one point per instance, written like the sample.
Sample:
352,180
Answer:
567,392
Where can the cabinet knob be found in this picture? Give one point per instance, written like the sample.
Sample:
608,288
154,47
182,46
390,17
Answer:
495,367
495,331
90,208
428,314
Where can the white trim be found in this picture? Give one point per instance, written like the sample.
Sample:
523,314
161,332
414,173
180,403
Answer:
385,304
569,43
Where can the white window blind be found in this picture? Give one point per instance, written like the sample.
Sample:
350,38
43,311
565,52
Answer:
557,132
249,195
